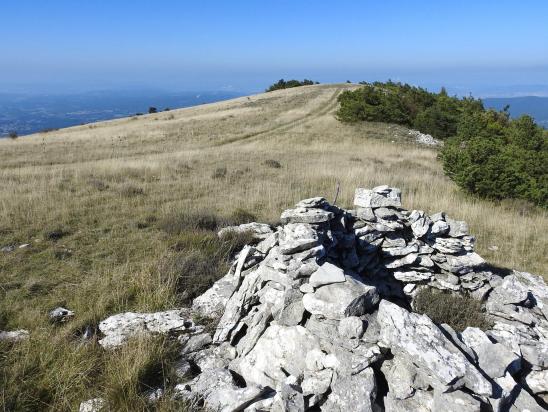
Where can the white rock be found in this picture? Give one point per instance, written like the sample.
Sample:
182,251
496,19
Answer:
213,301
317,383
280,349
339,300
417,337
352,393
93,405
14,335
60,315
412,276
537,381
457,401
493,358
118,328
327,273
296,237
351,327
314,360
380,196
304,215
259,231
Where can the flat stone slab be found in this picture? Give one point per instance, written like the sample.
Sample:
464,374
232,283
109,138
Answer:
119,328
326,274
305,215
339,300
380,196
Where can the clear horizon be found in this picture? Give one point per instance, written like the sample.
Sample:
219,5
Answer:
484,49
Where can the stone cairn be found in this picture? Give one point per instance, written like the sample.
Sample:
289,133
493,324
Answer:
318,316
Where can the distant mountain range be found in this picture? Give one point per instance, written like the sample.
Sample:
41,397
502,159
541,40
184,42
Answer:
534,106
31,113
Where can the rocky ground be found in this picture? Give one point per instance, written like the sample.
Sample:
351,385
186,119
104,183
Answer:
319,314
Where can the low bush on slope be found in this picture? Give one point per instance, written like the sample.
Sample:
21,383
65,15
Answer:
486,152
287,84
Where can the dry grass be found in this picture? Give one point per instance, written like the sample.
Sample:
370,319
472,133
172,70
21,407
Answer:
110,188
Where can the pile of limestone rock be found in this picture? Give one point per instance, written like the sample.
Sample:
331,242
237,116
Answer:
317,315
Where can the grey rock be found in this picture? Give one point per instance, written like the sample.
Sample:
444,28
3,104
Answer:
313,202
351,327
439,228
458,341
380,196
213,301
219,392
457,228
463,263
412,276
536,354
339,300
289,397
404,261
304,215
510,291
417,337
59,315
118,328
93,405
403,377
421,401
537,381
400,251
356,392
280,349
493,358
259,231
457,401
292,310
14,335
448,245
365,213
196,342
317,383
296,237
326,274
420,223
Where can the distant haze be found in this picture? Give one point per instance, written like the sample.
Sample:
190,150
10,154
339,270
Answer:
468,46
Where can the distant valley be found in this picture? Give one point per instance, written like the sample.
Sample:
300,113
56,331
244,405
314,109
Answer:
31,113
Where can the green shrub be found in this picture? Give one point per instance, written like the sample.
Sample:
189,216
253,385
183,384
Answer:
495,157
486,153
283,84
458,311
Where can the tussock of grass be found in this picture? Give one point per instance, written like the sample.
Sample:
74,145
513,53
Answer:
272,163
458,311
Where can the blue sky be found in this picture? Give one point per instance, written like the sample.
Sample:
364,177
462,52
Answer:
245,45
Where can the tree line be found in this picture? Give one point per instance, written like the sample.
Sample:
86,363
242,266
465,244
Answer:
485,152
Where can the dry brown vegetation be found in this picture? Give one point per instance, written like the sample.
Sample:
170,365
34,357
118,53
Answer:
99,206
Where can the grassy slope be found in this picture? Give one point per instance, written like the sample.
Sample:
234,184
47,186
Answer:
108,185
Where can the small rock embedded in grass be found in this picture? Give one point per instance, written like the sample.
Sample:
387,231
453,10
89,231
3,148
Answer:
60,314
